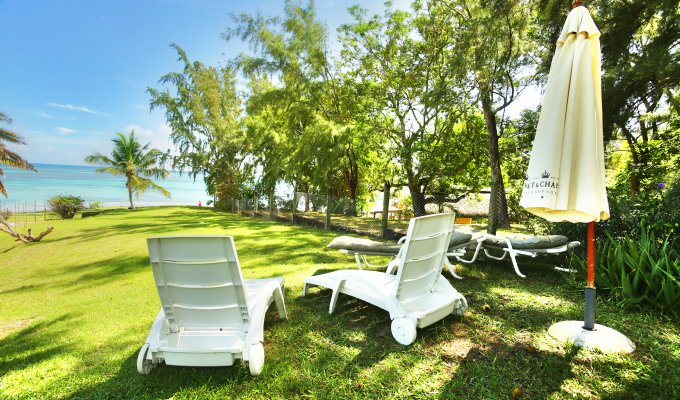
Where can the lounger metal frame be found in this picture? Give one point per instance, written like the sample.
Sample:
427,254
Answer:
458,252
513,253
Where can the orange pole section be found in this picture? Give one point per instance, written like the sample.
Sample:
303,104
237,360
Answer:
590,280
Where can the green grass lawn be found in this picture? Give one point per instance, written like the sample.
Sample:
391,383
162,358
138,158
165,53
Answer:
76,307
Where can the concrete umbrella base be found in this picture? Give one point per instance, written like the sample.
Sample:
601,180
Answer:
605,339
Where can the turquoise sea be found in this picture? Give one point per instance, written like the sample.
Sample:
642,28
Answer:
28,190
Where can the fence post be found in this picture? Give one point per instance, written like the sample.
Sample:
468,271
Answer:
386,208
328,209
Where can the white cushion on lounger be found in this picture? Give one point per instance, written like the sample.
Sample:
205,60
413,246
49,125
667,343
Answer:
364,245
522,242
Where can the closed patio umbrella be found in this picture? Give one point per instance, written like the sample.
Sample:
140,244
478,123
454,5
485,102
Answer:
566,174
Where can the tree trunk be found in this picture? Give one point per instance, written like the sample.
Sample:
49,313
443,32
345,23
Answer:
327,223
7,228
271,204
351,174
634,179
307,197
386,208
498,205
418,199
128,184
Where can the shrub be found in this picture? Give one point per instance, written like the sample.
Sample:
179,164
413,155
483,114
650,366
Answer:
633,271
5,213
66,206
96,204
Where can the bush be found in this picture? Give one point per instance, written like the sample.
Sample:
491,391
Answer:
66,206
5,213
96,204
633,271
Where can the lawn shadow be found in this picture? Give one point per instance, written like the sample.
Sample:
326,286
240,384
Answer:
33,344
164,381
22,288
494,370
89,274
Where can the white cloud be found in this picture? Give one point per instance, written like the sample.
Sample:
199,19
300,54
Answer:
64,130
45,115
159,137
72,107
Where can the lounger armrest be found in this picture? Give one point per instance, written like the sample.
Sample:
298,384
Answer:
269,293
154,334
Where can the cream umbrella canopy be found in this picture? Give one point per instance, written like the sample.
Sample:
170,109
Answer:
566,174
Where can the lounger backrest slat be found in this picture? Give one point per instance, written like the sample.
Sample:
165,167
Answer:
423,255
199,282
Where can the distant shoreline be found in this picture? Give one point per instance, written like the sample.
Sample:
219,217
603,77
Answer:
29,191
115,204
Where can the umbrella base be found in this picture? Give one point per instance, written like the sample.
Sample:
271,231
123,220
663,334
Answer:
605,339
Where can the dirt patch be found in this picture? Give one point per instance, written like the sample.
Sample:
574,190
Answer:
6,327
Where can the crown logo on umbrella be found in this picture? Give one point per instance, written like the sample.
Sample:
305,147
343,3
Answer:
545,175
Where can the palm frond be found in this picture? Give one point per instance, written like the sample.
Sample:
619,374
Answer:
130,158
155,172
141,185
100,159
11,137
12,159
110,170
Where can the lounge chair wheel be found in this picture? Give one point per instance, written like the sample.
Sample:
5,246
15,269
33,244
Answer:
144,366
256,361
404,331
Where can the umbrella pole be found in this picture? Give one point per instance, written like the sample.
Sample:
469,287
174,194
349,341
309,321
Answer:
589,318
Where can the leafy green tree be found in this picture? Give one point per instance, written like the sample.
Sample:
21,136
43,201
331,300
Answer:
136,162
204,112
491,41
311,122
264,124
401,64
8,157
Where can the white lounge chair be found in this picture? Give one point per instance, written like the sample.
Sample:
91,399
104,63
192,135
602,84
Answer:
210,315
361,248
418,295
522,245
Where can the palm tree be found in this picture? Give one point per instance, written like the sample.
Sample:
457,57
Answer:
138,163
7,156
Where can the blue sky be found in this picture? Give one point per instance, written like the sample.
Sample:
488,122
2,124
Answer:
76,71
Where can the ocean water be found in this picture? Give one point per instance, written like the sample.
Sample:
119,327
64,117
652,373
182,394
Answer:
28,190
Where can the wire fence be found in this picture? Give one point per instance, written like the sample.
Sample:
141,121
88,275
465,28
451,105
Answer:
21,215
385,214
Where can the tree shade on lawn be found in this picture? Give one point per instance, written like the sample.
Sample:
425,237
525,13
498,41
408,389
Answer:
566,178
136,162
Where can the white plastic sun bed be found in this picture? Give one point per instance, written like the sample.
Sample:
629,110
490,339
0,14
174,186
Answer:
459,243
210,315
521,245
418,295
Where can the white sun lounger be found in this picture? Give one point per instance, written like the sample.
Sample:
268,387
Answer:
531,246
360,248
418,295
210,315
